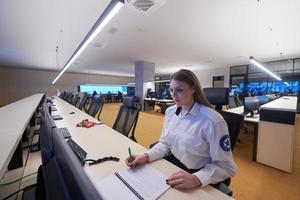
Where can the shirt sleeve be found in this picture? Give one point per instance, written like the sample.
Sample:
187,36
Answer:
162,148
222,165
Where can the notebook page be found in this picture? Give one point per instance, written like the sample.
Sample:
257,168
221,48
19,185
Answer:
112,188
146,180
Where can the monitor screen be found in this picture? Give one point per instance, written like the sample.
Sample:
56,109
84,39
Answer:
251,104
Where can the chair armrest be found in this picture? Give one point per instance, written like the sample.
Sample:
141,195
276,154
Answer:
152,145
224,188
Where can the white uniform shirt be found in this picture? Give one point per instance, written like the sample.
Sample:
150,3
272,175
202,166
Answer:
198,139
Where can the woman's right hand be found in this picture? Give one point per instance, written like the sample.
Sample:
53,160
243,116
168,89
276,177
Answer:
136,160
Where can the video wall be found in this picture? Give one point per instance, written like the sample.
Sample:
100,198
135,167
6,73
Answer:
261,88
105,89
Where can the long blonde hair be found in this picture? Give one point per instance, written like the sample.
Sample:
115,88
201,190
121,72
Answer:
190,78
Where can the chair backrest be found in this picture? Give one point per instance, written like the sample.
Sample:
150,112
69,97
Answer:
232,103
238,100
96,106
234,123
70,98
83,101
75,100
127,117
62,94
217,96
67,96
47,124
76,182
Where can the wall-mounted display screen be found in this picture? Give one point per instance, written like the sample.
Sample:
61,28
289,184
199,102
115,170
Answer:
103,89
262,88
236,89
279,87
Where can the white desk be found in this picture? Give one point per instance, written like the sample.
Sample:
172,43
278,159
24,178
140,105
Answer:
101,141
14,119
276,133
163,103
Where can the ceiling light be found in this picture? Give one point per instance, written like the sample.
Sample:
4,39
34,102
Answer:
257,64
159,81
113,7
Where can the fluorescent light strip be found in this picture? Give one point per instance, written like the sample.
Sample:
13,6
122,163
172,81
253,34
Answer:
158,81
257,64
112,9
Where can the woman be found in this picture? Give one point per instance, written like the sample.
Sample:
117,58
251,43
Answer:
194,137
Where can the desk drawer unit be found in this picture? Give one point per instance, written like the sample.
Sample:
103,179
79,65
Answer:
276,134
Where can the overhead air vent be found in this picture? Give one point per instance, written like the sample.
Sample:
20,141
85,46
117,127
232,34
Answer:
145,6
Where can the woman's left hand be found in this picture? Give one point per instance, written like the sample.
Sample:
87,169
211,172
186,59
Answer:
183,180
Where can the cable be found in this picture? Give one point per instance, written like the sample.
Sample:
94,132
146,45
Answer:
4,184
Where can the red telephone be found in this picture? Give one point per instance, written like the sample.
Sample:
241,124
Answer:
85,123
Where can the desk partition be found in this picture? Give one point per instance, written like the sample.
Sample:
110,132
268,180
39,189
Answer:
14,119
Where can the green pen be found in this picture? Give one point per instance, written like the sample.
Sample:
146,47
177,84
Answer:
130,155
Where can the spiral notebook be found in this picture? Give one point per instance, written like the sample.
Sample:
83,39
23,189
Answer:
143,183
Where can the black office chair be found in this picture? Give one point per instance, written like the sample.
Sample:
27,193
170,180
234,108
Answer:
62,94
232,103
83,101
95,107
234,123
119,97
88,103
108,97
127,117
75,100
70,98
239,100
67,96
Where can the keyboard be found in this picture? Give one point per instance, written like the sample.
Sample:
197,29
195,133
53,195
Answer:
64,132
79,152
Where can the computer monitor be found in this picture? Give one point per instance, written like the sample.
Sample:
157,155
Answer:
78,185
159,95
217,96
152,95
263,99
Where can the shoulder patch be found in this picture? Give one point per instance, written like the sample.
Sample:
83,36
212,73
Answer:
225,143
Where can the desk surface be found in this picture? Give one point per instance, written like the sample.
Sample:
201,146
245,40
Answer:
14,119
101,141
286,103
247,118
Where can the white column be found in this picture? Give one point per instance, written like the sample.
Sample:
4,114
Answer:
144,72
